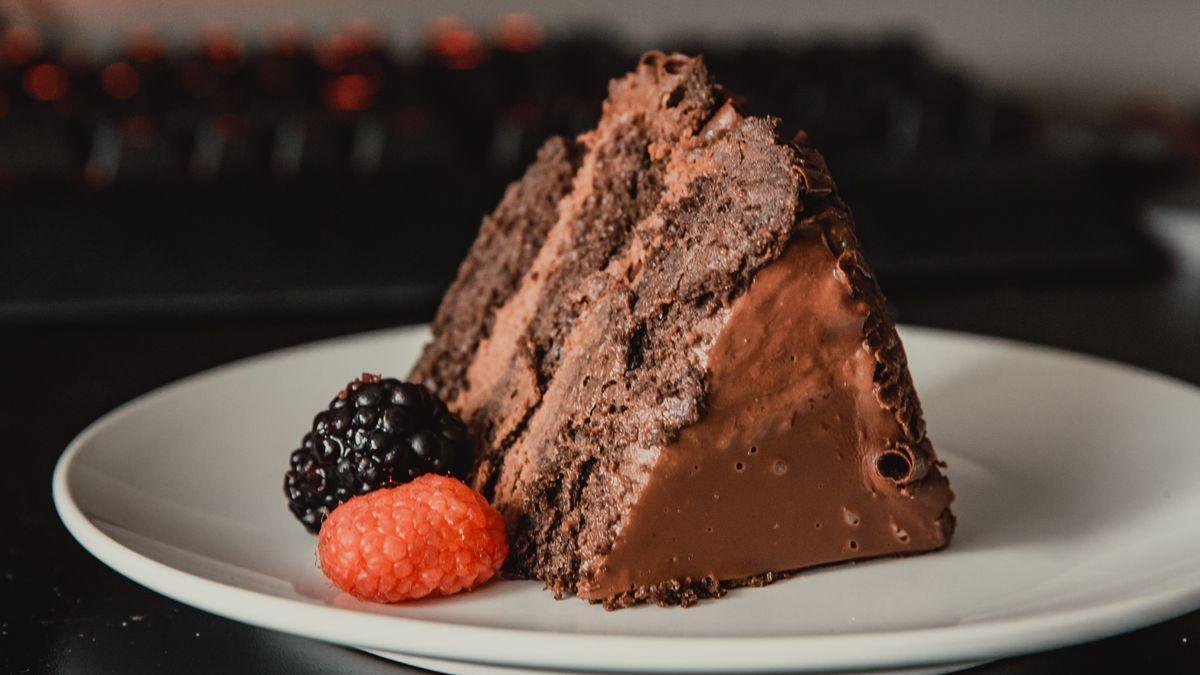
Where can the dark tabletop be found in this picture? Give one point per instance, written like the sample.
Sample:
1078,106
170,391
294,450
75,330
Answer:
63,611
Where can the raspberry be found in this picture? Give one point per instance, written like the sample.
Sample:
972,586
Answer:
431,536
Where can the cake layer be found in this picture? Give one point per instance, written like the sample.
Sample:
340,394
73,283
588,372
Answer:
618,184
508,241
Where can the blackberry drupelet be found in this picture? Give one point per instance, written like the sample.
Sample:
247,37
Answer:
376,433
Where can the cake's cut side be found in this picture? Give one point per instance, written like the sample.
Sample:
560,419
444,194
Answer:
633,386
508,241
619,182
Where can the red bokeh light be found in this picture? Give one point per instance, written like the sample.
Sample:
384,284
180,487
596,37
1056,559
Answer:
222,45
337,51
519,33
120,81
363,36
20,44
46,82
458,46
350,93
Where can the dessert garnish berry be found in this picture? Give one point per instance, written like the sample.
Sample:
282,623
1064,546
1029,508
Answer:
432,536
376,433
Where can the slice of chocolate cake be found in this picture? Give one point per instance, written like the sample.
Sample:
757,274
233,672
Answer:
677,362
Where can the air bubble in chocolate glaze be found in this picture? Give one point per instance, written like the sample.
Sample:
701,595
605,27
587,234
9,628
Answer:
739,467
853,545
893,466
780,467
852,518
754,450
901,534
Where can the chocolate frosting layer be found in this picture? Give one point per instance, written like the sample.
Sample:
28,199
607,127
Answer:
782,472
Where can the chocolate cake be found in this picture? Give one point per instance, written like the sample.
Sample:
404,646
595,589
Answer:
677,363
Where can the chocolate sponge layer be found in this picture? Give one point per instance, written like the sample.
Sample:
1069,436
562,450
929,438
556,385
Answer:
508,241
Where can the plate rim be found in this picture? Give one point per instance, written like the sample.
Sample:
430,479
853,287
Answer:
983,640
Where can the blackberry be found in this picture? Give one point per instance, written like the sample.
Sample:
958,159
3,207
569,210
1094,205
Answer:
376,433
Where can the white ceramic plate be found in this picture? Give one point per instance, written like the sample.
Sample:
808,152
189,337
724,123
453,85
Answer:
1078,484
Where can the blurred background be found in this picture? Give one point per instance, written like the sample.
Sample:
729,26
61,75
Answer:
183,183
235,157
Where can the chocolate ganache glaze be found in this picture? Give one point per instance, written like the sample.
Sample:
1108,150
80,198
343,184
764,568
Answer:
789,466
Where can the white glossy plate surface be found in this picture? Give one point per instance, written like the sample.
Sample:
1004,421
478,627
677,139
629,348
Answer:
1078,484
